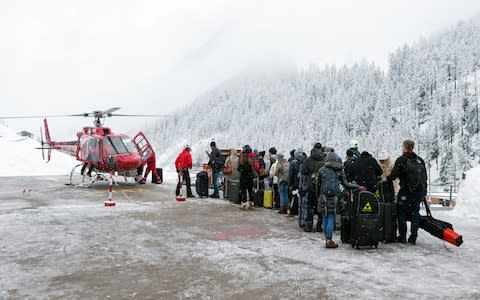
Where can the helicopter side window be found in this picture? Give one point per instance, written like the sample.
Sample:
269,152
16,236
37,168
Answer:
129,144
93,150
118,144
108,148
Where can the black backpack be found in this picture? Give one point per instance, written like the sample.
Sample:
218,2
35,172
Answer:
416,175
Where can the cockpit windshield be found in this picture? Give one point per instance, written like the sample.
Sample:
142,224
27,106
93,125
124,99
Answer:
118,145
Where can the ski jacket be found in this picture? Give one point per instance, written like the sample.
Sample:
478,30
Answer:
184,160
366,171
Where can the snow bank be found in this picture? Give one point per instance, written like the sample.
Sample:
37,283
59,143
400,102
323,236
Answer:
18,157
468,205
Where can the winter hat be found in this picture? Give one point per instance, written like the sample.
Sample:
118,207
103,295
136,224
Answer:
317,146
261,153
255,151
298,153
332,157
383,155
354,144
349,153
280,156
247,149
187,147
272,150
213,144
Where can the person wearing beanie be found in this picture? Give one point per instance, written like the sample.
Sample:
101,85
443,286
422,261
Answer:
329,178
216,162
410,169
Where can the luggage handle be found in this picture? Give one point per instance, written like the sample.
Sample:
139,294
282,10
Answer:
427,207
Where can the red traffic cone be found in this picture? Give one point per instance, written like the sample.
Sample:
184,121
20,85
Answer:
452,237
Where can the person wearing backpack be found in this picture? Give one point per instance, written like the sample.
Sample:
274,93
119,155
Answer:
216,161
281,172
310,168
329,178
410,169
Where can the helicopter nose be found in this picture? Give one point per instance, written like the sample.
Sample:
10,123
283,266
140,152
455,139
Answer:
128,161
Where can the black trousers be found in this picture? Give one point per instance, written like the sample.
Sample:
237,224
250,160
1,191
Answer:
185,176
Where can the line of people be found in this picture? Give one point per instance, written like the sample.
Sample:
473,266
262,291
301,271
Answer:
310,185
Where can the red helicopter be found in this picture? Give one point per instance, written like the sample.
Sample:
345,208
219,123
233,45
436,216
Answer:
99,149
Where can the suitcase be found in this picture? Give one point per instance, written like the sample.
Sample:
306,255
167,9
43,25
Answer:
365,226
387,193
294,204
201,184
388,216
234,191
258,201
268,199
345,229
160,174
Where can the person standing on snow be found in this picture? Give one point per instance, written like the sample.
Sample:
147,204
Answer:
410,169
366,171
182,164
386,163
281,172
245,167
329,178
309,170
216,161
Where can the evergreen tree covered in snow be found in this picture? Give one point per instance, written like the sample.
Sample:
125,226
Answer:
429,94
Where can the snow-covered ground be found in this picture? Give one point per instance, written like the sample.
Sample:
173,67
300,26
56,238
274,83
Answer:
18,157
60,241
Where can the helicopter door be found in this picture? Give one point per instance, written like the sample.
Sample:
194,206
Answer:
143,146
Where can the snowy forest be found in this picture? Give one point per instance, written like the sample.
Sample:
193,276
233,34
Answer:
429,93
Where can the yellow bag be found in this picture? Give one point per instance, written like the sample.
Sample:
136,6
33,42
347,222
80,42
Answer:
268,199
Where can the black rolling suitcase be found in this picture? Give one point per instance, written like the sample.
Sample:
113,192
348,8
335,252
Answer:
366,226
201,184
388,212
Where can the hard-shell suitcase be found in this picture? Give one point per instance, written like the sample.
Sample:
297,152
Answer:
388,216
234,192
201,184
366,226
294,204
258,200
268,199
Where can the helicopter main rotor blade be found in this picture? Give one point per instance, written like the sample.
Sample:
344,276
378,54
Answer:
126,115
108,112
40,116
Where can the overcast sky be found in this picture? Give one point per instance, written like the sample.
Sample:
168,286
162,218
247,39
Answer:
63,57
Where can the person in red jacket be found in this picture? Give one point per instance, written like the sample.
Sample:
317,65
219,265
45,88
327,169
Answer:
151,166
182,164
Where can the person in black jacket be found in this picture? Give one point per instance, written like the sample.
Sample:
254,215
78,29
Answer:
410,169
309,170
216,161
349,166
245,167
367,171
